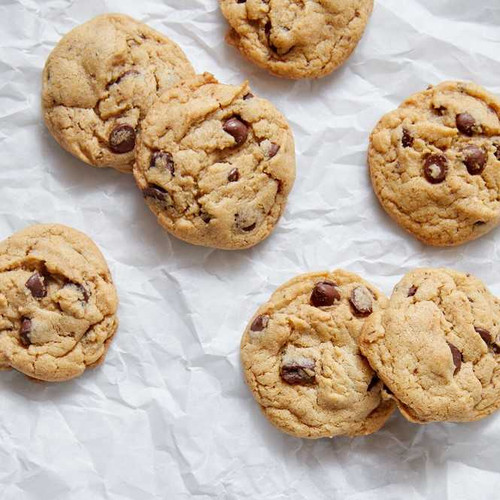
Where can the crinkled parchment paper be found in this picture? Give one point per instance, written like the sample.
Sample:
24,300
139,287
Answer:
168,415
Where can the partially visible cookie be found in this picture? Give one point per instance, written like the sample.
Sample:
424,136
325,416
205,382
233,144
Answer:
57,303
99,82
435,163
215,163
301,359
296,39
436,346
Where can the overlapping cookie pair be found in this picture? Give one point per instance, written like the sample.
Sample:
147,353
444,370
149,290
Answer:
329,355
214,162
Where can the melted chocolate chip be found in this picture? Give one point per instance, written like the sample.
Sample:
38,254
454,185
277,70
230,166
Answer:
412,291
485,334
163,161
324,294
248,96
465,123
122,139
155,192
362,301
273,150
36,285
236,128
25,331
241,1
259,323
407,139
299,372
457,357
373,382
233,175
435,168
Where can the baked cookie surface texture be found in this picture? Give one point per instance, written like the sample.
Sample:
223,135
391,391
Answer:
57,303
435,346
215,163
301,359
435,163
296,38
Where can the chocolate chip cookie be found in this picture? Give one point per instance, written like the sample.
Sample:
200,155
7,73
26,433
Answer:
99,82
215,163
435,163
301,359
436,346
57,303
296,39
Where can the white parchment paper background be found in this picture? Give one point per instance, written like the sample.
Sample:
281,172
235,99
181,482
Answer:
168,415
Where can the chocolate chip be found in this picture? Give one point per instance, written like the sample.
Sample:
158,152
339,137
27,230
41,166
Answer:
435,168
485,334
440,110
475,159
249,228
122,139
362,301
236,128
324,294
495,348
83,291
273,150
206,218
465,123
36,285
25,331
259,323
457,357
248,96
241,1
373,382
412,291
155,192
163,161
407,139
479,223
233,175
497,151
299,372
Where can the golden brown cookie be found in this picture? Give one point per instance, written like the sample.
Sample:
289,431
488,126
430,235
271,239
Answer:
435,346
99,82
301,359
57,303
296,39
215,163
435,163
